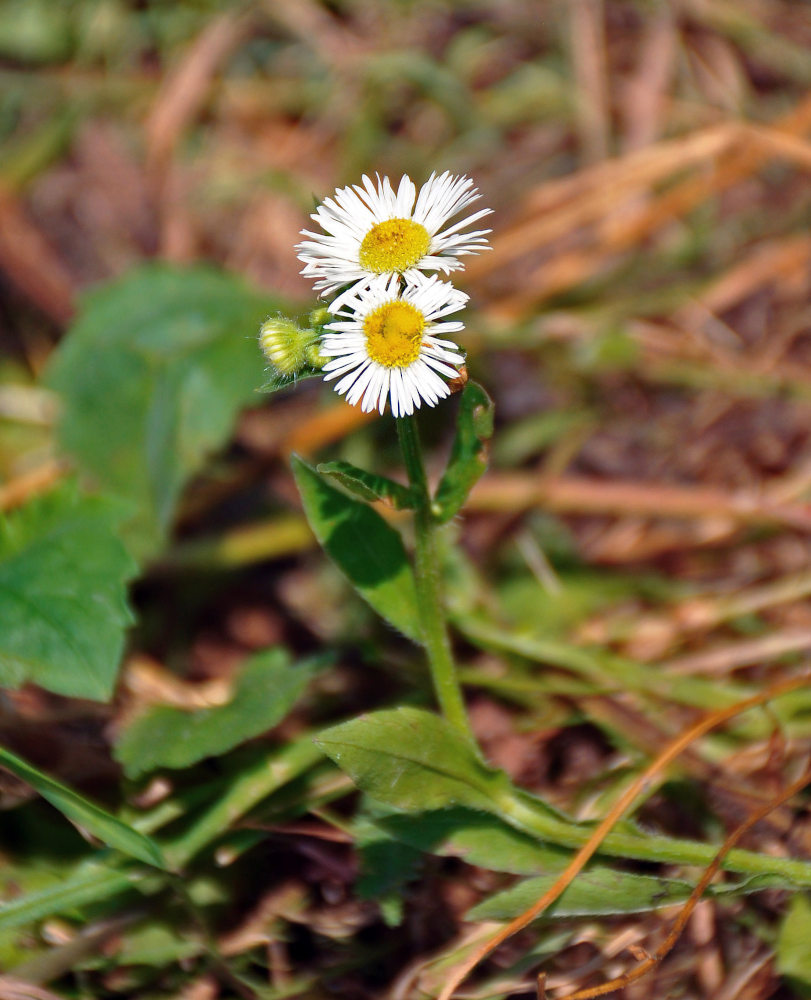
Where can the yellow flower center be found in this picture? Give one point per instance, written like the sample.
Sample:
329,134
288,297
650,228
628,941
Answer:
394,334
393,245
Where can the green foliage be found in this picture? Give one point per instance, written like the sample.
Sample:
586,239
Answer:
63,609
598,891
793,953
367,550
412,760
84,813
387,865
265,690
478,838
152,376
468,460
368,485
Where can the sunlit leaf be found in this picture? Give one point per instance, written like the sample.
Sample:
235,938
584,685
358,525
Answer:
368,485
152,376
63,607
412,760
84,813
264,692
468,460
367,550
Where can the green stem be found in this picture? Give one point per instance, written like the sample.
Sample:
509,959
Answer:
429,585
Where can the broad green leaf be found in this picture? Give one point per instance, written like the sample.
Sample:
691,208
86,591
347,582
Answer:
152,376
478,838
265,690
468,460
368,485
412,760
63,607
367,550
84,813
793,953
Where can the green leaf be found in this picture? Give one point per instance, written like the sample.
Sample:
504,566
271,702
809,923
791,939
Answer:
92,884
468,460
595,892
600,891
265,690
84,813
368,485
387,864
793,954
63,607
480,839
367,550
412,760
152,376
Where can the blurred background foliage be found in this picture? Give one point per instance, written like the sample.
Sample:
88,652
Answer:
639,550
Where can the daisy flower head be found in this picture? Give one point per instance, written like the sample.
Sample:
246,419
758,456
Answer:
371,229
386,343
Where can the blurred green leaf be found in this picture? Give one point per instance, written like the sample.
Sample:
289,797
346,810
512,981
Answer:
63,608
264,692
365,548
793,952
92,884
367,485
84,813
387,864
595,892
412,760
468,460
478,838
152,376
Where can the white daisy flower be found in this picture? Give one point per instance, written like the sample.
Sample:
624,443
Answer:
386,344
370,230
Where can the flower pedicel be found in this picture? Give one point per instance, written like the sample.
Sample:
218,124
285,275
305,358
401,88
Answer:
372,230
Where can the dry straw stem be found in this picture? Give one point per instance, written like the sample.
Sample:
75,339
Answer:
612,817
31,484
735,151
686,912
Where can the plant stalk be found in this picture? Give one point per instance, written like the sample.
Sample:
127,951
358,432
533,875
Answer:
429,585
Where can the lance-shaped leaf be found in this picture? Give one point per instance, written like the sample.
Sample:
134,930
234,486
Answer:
265,690
84,813
413,760
152,376
367,550
368,485
468,460
63,596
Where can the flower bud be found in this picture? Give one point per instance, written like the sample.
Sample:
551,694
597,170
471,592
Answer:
285,344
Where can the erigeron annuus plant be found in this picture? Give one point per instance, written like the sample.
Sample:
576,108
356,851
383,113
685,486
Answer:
382,342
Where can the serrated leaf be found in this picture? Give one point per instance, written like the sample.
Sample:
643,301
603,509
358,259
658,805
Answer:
152,376
84,813
63,597
368,485
265,690
412,760
468,460
367,550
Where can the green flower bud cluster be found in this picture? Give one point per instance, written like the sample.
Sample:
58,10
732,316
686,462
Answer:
291,349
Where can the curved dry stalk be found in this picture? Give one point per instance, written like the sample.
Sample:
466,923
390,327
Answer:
612,817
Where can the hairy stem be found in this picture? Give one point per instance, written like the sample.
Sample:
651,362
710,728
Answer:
429,585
